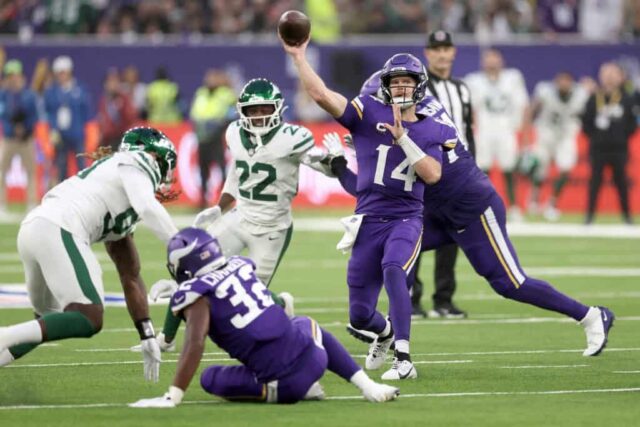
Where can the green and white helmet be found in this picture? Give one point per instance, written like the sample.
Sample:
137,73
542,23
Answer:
151,140
260,92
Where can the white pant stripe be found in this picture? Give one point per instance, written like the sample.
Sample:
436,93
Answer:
502,245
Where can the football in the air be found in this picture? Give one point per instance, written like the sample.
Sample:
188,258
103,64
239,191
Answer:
294,27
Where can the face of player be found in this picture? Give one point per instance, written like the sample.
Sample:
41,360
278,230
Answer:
440,60
492,63
402,88
611,77
261,112
564,83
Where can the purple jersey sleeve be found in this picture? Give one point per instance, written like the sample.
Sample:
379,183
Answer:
353,114
188,292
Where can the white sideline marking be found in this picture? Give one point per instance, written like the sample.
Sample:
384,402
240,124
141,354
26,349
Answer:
626,372
498,353
122,362
402,396
440,362
542,366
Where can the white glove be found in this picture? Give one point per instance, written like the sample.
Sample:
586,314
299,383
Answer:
171,399
333,143
163,288
152,359
207,217
165,347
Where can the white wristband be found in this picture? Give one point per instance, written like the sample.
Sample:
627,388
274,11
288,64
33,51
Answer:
176,394
413,152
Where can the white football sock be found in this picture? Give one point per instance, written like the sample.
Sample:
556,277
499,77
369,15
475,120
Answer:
22,333
402,346
592,315
361,380
386,331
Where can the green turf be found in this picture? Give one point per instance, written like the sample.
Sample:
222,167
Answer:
315,273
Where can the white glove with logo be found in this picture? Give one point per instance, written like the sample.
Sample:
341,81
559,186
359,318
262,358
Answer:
207,217
333,143
163,288
151,356
171,399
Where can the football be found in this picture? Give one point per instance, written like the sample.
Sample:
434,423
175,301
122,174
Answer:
294,27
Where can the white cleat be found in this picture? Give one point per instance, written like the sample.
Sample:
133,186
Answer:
315,392
165,347
377,353
515,215
400,370
379,393
551,213
288,304
596,324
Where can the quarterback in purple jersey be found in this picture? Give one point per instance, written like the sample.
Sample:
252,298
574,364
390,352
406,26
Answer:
282,359
398,155
463,207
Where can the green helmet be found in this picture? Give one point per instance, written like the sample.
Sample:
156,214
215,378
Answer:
151,140
260,92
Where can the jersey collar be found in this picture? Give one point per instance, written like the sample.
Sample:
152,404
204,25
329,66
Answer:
245,138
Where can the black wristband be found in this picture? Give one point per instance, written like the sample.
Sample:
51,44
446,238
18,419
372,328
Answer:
338,165
145,329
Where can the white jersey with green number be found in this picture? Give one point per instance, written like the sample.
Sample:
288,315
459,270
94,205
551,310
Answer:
93,204
263,175
557,115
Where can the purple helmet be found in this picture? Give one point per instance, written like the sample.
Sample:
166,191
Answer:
192,252
372,85
403,64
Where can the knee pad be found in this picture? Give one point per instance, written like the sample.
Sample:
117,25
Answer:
360,314
208,381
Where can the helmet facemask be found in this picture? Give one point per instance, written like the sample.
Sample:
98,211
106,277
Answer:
260,125
404,64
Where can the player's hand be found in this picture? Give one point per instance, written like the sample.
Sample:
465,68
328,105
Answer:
207,217
152,359
396,129
333,144
156,402
163,288
296,52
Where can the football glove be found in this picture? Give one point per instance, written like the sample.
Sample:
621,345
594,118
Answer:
333,144
207,217
171,399
316,158
151,356
165,347
163,288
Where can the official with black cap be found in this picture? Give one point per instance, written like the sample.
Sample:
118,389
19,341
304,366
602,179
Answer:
453,94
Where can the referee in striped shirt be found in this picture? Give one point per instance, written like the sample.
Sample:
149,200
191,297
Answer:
453,94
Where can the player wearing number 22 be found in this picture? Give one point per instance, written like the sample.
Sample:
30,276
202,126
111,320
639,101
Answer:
102,203
282,359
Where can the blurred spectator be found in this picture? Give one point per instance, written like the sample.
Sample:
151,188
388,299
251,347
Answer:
210,114
557,16
70,16
499,98
326,25
501,18
136,89
68,108
116,113
608,122
453,16
601,20
18,114
163,99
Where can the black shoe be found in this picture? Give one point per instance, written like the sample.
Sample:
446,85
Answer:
417,312
447,312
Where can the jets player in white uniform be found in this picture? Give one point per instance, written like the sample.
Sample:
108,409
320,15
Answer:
262,181
499,98
102,203
556,106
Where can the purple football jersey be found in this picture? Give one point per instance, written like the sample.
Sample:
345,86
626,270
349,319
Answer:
245,322
461,194
386,184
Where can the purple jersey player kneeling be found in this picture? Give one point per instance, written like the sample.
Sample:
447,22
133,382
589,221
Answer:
282,359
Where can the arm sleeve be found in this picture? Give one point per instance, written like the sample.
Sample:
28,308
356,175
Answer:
353,114
142,197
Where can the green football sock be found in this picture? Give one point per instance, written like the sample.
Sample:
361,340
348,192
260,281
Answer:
171,325
17,351
70,324
559,184
279,301
509,179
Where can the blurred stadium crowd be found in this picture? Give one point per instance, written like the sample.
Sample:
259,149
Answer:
131,20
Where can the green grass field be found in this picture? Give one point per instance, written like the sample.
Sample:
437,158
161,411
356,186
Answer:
508,364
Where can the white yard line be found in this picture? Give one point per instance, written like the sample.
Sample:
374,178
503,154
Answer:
626,372
352,397
542,366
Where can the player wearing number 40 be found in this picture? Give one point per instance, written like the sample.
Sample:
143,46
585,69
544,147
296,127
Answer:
282,359
263,179
102,203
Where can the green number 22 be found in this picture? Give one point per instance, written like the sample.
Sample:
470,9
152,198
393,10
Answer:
256,191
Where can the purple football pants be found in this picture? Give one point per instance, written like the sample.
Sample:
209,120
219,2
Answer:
239,383
488,248
384,251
